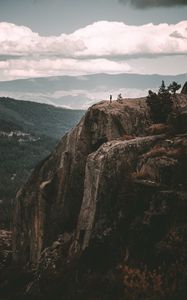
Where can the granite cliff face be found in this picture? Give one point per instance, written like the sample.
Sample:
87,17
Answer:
108,204
50,202
184,89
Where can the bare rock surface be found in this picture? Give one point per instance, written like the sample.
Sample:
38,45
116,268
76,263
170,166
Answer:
106,209
5,247
50,202
184,89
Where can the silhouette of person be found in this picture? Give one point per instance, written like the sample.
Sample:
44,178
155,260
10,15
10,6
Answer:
110,98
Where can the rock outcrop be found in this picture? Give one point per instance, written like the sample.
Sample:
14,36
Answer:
5,248
108,204
184,89
50,202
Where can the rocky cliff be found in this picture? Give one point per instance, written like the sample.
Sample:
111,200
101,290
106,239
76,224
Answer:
184,89
50,202
103,217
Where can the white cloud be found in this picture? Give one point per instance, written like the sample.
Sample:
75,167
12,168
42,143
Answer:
23,68
77,99
100,93
89,50
115,38
98,39
20,40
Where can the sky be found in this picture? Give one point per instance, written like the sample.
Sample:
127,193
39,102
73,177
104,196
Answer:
79,37
42,38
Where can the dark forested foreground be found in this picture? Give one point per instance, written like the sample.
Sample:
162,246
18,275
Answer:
104,216
28,133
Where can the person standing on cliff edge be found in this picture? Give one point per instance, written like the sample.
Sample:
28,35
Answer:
110,98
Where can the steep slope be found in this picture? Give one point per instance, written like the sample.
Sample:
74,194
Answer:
39,119
184,89
106,209
28,133
62,174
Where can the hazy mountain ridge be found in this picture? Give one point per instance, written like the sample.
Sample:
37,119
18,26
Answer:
83,91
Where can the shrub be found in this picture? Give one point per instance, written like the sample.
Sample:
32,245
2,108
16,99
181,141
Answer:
163,151
140,175
119,97
160,105
158,128
163,282
127,137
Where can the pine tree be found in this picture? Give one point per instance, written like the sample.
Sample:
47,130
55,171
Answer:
119,97
160,104
173,87
162,89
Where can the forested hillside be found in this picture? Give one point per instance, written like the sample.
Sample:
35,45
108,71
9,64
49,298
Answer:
28,133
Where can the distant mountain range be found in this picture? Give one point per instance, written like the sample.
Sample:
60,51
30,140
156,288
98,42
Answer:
28,133
82,91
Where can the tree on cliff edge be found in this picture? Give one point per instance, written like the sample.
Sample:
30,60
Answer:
163,90
160,104
173,87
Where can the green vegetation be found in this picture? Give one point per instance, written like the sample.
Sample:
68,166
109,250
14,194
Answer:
161,104
28,133
39,119
162,90
173,87
119,97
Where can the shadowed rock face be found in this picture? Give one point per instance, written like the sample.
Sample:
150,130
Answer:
184,89
109,196
6,249
50,202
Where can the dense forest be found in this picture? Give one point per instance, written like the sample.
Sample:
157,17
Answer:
28,133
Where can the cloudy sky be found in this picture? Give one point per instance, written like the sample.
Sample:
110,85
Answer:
76,37
40,38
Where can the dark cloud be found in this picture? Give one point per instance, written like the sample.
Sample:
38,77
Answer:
154,3
177,35
8,57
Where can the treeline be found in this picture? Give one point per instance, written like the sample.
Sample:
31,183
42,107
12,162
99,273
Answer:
37,118
161,103
44,126
17,159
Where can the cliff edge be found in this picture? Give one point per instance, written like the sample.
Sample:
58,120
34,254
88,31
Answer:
106,208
